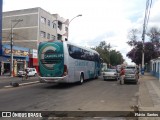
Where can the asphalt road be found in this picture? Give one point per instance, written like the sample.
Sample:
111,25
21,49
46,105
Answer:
93,95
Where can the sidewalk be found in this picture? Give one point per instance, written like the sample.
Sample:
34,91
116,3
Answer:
149,96
6,81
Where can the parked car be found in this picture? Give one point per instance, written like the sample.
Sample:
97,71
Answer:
110,74
131,67
31,72
130,76
21,73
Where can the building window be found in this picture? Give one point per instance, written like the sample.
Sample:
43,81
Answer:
54,25
43,34
60,25
53,37
48,22
43,20
48,36
59,37
66,29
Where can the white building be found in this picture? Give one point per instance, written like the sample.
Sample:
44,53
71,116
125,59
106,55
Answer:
155,67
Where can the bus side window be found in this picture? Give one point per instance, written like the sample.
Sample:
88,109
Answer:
70,49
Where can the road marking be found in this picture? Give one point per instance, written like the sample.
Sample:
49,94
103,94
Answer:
8,86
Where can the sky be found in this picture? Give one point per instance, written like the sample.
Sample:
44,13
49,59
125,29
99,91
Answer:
101,20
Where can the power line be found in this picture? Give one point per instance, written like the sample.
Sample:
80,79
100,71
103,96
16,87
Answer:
146,19
148,14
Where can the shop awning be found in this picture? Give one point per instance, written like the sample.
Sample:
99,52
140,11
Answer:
3,58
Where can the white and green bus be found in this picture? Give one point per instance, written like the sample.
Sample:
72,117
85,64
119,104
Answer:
64,62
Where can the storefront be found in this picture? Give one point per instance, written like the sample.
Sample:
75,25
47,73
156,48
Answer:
33,59
20,59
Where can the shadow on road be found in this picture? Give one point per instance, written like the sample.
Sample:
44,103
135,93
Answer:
66,85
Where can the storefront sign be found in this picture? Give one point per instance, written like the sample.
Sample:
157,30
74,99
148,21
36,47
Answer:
17,51
33,53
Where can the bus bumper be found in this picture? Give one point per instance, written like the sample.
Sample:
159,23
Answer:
53,79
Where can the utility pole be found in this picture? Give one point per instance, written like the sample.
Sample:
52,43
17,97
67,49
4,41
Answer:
146,19
143,39
11,61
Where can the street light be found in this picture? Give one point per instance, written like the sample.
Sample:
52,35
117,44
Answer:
64,23
74,18
71,21
11,61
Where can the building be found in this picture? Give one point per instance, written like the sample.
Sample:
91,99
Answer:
20,61
155,67
37,26
29,28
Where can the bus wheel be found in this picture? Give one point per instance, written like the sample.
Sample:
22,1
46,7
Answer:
81,79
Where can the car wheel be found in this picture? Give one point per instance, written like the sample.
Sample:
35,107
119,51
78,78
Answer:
35,74
81,79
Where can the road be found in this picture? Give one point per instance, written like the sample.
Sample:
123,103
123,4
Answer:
93,95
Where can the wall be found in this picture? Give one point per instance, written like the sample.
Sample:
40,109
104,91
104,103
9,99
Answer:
155,67
25,32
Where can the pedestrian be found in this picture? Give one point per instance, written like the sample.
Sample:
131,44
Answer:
26,73
122,75
137,71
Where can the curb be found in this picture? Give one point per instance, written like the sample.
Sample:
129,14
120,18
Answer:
22,84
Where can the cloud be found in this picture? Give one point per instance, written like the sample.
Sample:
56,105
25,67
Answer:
108,20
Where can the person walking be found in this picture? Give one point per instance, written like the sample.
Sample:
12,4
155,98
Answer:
122,75
26,73
137,71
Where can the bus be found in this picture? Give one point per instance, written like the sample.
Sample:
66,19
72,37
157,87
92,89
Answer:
65,62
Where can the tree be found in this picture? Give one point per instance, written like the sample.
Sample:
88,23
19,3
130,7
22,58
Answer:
116,58
154,34
151,48
109,56
133,37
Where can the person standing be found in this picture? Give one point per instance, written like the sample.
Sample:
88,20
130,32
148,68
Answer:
137,71
26,73
122,75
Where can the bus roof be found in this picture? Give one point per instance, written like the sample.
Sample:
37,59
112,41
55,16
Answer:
89,49
70,43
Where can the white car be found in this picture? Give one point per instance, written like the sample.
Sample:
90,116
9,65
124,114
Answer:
110,74
31,72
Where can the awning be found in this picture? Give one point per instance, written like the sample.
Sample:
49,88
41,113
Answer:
3,58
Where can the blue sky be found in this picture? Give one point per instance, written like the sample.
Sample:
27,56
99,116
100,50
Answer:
102,20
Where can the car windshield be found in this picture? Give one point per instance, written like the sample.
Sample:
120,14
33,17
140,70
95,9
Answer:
129,71
110,70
